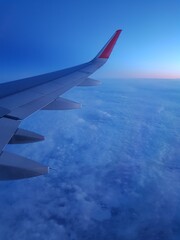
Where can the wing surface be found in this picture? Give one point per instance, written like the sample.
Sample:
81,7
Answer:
19,99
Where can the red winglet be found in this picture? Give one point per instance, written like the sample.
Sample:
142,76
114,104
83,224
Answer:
106,51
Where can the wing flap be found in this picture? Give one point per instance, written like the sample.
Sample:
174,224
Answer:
8,128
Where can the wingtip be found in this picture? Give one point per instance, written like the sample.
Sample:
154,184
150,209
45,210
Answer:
106,52
119,31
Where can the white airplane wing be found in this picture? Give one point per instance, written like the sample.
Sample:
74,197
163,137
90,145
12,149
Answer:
19,99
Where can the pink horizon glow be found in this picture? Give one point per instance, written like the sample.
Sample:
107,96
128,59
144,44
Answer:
135,74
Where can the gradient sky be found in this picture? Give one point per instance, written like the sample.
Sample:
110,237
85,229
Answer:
39,36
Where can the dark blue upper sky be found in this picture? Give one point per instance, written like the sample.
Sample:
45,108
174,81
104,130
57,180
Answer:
40,36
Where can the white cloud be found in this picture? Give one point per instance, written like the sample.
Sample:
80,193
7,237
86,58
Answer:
107,180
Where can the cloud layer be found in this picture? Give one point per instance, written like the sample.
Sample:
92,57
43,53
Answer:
116,168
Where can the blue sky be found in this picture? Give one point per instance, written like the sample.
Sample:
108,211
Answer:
41,36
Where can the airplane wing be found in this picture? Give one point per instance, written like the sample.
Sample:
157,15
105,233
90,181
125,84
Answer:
19,99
